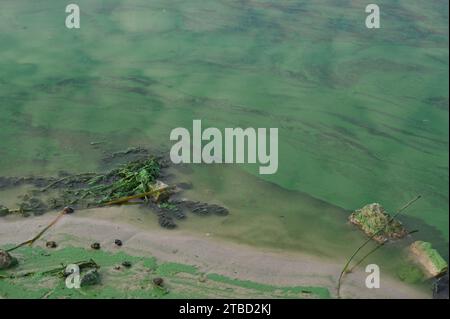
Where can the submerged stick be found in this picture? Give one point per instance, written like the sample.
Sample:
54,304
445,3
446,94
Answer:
344,270
138,196
68,210
372,251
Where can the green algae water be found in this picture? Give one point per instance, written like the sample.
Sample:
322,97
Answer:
362,114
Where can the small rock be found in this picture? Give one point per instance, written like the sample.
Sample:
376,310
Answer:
202,278
6,260
95,246
91,277
118,242
126,264
68,210
117,267
429,258
51,244
158,281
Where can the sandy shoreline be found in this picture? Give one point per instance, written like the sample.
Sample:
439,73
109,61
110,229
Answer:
209,254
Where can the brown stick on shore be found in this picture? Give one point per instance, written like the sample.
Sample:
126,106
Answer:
30,242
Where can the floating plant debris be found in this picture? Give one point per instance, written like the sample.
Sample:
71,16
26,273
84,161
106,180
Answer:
133,182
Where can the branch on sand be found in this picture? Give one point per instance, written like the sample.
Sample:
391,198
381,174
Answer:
31,241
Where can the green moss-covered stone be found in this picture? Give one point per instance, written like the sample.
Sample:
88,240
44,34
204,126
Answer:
373,218
429,258
6,260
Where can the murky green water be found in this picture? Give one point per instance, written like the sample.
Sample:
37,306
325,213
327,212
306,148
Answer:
362,114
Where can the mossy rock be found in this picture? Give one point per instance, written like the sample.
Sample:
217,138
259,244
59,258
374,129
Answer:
429,258
6,260
90,278
373,218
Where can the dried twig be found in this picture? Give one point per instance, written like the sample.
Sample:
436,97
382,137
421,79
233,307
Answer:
138,196
32,240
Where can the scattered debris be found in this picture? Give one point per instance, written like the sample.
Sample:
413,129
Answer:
31,241
51,244
6,260
428,258
95,246
134,182
373,219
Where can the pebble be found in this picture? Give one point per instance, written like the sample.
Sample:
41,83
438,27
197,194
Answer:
6,260
91,277
68,210
158,281
51,244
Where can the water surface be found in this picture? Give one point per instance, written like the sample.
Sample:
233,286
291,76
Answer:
362,114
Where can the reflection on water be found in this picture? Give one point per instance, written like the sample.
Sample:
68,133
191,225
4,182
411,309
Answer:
362,115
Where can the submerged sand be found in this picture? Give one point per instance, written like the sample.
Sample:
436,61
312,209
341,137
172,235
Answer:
204,251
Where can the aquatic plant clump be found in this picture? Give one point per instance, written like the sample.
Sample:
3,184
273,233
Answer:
90,189
373,219
135,181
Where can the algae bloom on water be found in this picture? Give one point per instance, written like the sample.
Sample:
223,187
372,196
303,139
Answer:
373,219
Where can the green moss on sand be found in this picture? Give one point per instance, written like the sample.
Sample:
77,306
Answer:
313,291
180,280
